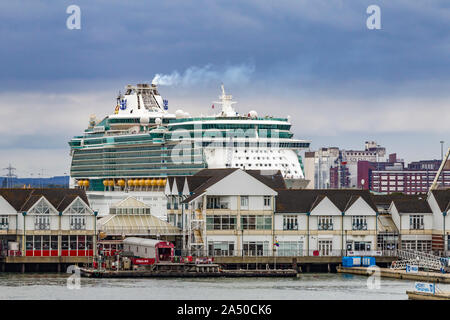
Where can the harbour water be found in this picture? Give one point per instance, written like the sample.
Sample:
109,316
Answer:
314,286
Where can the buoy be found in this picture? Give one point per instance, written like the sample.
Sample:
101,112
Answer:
121,182
86,183
154,182
105,183
80,183
111,183
148,182
130,182
142,182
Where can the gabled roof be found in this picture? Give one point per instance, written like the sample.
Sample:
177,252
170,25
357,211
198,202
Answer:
23,199
412,206
213,176
386,199
304,200
442,198
130,202
205,178
274,180
143,224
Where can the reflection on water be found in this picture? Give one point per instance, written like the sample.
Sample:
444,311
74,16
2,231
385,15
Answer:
308,286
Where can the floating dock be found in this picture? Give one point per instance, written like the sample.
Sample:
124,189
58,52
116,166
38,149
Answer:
415,295
398,274
197,271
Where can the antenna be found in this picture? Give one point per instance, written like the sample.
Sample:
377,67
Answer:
226,102
10,175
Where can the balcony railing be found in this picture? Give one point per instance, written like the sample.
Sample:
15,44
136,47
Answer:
42,226
292,226
4,226
325,226
416,227
78,226
359,226
218,206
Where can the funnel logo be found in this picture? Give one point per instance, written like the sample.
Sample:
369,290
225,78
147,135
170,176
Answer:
123,104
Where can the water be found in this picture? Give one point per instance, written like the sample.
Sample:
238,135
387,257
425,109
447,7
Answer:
309,286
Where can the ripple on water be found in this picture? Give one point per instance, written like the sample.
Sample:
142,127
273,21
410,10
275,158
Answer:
307,286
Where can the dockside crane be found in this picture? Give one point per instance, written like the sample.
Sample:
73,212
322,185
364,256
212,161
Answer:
434,185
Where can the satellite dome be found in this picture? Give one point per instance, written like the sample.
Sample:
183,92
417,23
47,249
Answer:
253,114
179,114
144,120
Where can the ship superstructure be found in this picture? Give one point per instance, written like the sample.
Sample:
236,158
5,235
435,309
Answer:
141,144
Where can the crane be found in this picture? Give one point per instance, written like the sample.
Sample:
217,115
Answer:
434,185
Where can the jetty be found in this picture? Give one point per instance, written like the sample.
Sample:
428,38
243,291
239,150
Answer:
415,295
397,274
185,271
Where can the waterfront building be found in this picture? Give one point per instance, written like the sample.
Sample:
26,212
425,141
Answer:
325,222
236,212
231,213
141,144
45,224
439,201
414,220
420,221
132,218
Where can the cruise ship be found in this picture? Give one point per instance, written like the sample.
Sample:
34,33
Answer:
134,150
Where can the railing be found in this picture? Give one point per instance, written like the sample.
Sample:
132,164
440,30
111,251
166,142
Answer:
420,259
361,226
284,253
78,226
290,226
219,206
4,226
416,227
42,226
325,226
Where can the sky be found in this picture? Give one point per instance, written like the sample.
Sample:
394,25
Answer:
315,60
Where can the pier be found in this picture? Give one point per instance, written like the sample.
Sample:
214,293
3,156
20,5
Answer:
434,277
40,264
299,263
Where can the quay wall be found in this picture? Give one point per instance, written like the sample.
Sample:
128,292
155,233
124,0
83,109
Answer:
399,274
301,264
